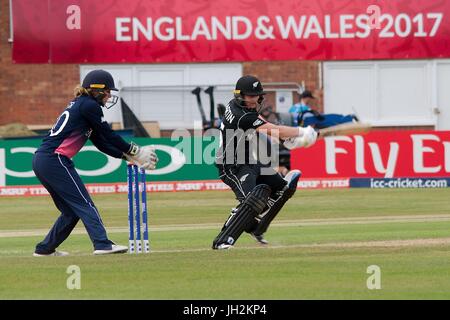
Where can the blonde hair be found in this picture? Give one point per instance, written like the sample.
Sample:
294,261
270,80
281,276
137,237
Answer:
80,91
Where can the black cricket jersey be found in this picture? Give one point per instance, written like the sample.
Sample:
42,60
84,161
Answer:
237,131
83,119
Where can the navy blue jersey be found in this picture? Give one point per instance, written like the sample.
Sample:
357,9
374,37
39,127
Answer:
81,120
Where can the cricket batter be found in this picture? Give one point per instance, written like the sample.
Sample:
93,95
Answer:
82,120
260,190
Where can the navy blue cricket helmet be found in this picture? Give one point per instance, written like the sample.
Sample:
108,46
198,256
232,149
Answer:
99,79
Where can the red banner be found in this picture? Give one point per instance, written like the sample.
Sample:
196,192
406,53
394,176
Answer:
106,188
169,186
80,31
379,154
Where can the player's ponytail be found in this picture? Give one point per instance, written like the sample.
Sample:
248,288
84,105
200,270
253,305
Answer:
80,91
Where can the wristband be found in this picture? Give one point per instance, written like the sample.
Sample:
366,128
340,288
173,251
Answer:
134,149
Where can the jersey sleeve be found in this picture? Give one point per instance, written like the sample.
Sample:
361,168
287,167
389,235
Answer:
104,146
250,120
94,116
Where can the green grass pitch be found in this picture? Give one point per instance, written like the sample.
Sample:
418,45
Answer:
321,245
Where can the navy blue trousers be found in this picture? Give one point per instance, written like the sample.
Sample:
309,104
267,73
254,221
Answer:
58,175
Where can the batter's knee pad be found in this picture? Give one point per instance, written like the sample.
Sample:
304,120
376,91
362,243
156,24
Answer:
242,218
275,205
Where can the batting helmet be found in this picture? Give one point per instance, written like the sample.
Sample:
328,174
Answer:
249,86
99,79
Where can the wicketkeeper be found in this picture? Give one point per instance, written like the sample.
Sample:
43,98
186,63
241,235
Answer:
260,190
82,120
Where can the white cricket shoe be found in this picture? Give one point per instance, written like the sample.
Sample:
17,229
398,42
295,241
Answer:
223,246
56,253
292,174
115,248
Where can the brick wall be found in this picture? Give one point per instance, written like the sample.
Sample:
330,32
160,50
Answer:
31,93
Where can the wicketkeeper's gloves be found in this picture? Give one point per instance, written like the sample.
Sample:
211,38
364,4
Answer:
145,157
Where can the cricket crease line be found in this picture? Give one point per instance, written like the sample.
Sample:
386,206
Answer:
421,242
280,223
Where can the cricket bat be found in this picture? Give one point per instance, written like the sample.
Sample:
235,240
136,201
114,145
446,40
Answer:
344,129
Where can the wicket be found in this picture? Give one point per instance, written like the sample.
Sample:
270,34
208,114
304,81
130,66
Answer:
134,185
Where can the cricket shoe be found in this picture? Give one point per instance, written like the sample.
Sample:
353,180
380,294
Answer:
56,253
259,238
223,246
292,177
115,248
